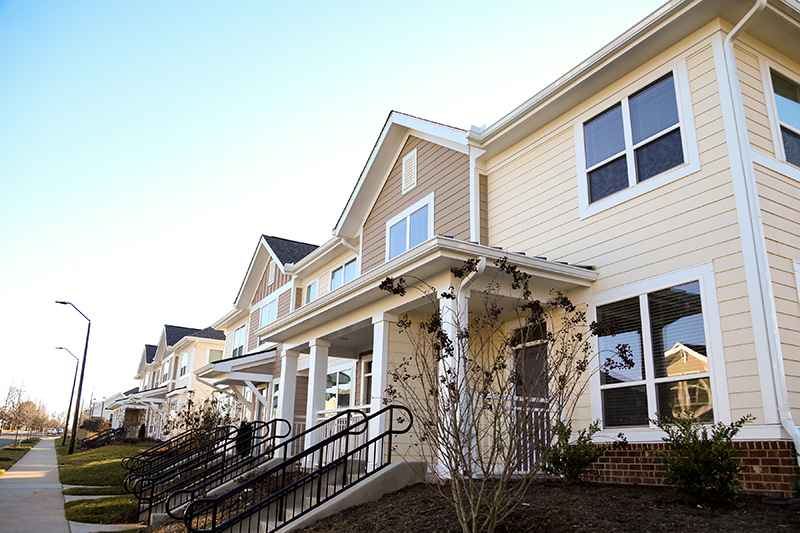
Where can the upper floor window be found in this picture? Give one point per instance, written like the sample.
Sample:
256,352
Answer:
410,228
238,341
184,363
311,290
665,331
269,313
272,271
634,140
165,375
214,355
343,274
787,102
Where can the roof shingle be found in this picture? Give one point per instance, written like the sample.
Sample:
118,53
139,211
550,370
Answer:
289,251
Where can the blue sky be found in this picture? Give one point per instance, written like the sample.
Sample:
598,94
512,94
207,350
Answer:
145,146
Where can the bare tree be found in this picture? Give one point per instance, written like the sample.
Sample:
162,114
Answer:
487,386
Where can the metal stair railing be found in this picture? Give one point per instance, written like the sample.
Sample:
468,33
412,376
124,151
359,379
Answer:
219,435
165,450
287,448
104,437
303,482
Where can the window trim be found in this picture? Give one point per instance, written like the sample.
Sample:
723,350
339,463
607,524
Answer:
405,214
266,305
306,301
184,363
363,378
244,341
344,367
341,267
704,274
680,74
775,123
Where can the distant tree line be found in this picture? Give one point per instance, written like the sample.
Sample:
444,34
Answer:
19,412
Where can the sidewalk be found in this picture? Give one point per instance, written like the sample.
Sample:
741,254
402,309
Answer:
31,498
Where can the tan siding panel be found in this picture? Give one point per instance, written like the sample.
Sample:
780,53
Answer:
755,106
252,340
284,302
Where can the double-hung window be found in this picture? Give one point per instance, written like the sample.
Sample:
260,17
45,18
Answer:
343,274
238,341
665,331
634,140
337,390
184,362
410,228
366,382
311,290
787,102
269,313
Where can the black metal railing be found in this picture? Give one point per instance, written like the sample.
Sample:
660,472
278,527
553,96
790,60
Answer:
201,447
248,447
104,437
164,451
304,481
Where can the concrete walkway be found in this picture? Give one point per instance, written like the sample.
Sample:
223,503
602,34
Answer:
31,498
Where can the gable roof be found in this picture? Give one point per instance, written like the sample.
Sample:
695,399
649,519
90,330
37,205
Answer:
289,251
132,391
384,153
209,333
176,333
150,352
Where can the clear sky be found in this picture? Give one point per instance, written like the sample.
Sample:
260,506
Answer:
145,146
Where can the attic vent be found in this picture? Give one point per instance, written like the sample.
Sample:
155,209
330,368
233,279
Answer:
410,171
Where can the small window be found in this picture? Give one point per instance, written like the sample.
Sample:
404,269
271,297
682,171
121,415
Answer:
665,332
787,102
343,274
410,231
634,140
184,362
410,171
271,276
311,293
269,313
214,355
275,401
165,375
366,389
238,341
337,390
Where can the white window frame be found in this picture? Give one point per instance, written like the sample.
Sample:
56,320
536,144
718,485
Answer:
221,355
268,307
775,123
306,301
343,368
411,156
405,214
274,400
184,364
704,274
272,272
680,74
342,268
165,371
366,399
234,346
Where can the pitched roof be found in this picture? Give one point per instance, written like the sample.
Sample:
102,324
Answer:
132,391
176,333
289,251
150,352
209,333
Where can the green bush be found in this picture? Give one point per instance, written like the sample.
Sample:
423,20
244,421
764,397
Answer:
571,462
700,463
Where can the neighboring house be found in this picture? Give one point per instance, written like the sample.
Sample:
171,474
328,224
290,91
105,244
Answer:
166,371
124,413
669,161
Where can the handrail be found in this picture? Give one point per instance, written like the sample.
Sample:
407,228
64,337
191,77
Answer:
164,447
150,461
102,438
223,512
223,433
245,442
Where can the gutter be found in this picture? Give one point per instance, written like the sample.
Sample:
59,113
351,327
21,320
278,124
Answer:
760,247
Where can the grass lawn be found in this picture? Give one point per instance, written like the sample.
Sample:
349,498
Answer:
10,455
96,491
100,466
115,510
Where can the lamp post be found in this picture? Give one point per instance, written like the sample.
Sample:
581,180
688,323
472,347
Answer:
80,384
71,394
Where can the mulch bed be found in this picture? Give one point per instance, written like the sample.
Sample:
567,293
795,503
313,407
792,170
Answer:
556,508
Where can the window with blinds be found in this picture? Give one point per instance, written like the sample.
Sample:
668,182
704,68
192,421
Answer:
666,333
787,102
634,140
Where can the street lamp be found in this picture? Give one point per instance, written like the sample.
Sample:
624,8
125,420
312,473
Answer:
80,384
71,394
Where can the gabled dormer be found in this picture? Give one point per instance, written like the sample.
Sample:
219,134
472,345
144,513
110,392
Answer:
417,183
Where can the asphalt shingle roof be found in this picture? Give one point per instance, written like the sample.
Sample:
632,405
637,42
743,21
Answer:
150,352
132,391
176,333
209,333
289,251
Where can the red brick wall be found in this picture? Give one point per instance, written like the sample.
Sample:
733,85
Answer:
771,466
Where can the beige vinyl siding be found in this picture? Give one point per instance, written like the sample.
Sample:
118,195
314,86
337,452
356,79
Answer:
255,322
301,397
228,351
284,302
484,227
265,288
299,297
779,197
440,170
755,104
681,224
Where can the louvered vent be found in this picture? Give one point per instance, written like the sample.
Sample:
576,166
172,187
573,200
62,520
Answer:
410,171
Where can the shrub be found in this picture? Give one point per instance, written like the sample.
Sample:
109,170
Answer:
571,462
700,463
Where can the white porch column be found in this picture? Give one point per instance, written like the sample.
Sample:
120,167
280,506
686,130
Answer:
288,386
380,368
317,372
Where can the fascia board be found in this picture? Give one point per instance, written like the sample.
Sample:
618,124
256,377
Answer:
254,271
321,253
382,159
665,26
223,321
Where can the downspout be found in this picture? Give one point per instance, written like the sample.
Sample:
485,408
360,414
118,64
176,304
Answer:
754,216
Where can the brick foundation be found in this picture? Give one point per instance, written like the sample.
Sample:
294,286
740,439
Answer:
771,466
